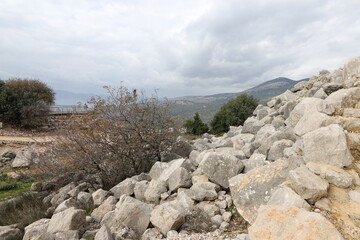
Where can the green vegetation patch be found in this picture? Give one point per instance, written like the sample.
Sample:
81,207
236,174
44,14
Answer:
10,188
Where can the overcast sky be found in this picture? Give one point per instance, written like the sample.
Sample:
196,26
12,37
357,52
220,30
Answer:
182,47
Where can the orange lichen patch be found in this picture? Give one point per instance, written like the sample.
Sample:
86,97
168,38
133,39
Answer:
342,208
279,216
264,233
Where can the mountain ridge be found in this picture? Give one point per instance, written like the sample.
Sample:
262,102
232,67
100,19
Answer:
185,107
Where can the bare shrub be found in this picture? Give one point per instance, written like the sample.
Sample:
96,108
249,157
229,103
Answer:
120,136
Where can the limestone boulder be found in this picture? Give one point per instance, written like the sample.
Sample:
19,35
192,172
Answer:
24,158
320,94
351,72
99,196
10,233
125,187
179,178
256,160
221,167
277,149
68,203
252,125
107,206
103,234
131,213
140,189
62,194
251,190
308,105
154,190
344,98
161,171
311,121
283,223
308,185
284,196
201,191
327,145
36,229
167,217
68,220
85,200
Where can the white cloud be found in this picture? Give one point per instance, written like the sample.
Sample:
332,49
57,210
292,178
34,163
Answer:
182,47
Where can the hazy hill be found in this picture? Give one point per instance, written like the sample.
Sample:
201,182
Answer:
71,98
185,107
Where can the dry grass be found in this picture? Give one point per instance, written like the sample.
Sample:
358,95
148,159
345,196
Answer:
23,210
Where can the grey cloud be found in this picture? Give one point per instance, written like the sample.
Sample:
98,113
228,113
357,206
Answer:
182,47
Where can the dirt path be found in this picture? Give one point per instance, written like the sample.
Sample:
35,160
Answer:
13,139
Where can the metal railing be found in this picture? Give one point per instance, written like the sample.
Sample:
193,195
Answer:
67,109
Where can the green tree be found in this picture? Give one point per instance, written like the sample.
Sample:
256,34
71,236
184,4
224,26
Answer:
196,126
24,101
233,113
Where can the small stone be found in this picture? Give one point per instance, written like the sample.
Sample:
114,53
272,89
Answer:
227,216
224,225
355,196
217,219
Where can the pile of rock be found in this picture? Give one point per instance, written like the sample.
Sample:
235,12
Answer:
287,171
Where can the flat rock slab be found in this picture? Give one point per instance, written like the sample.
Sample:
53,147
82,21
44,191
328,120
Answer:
253,189
283,223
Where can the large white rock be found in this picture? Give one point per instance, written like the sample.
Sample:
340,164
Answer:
103,234
351,72
277,149
167,217
201,191
36,229
99,196
256,160
9,233
70,219
154,191
179,178
311,121
68,203
252,125
307,184
107,206
284,223
285,196
140,189
251,190
308,105
344,98
131,213
24,158
327,145
125,187
221,167
162,171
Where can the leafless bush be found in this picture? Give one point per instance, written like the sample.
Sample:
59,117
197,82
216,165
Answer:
35,115
120,136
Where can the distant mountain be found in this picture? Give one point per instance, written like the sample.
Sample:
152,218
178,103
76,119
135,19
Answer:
185,107
70,98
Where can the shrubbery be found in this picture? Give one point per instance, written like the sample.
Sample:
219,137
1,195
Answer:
120,136
25,101
233,113
196,126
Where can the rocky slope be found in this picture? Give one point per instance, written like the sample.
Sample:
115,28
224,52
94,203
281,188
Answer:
291,172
